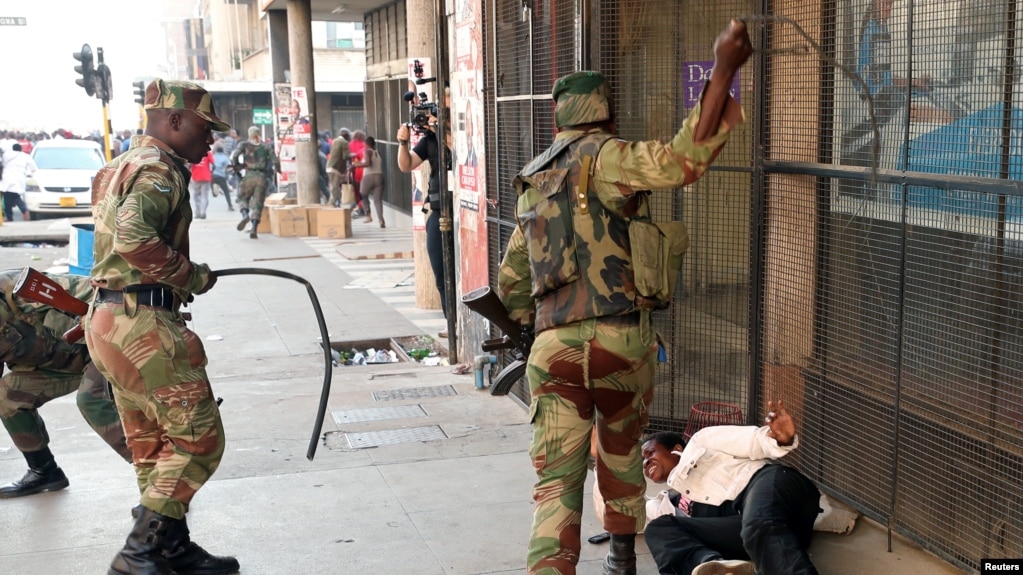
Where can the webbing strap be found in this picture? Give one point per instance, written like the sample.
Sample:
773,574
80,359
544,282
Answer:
584,185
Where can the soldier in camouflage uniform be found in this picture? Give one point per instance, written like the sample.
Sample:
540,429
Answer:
42,367
568,270
260,164
137,335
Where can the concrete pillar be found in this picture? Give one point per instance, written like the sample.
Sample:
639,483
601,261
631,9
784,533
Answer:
280,54
420,26
300,45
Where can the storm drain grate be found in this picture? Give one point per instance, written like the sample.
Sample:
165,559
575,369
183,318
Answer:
414,393
378,413
391,436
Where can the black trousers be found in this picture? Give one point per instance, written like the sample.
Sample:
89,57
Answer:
221,181
773,528
12,200
435,249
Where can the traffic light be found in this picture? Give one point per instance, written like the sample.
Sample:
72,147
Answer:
140,92
101,77
104,86
87,80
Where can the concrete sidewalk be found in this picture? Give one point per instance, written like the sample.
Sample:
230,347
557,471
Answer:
418,472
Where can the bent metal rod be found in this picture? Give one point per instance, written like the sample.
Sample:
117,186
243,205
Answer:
328,371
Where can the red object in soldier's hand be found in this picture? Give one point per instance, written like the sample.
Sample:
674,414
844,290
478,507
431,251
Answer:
36,287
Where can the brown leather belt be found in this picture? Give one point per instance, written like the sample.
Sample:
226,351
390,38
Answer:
154,296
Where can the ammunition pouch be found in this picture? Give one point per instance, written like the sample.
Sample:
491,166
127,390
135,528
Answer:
658,249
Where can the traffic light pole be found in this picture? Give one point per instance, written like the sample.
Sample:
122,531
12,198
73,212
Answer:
96,81
140,99
103,89
106,131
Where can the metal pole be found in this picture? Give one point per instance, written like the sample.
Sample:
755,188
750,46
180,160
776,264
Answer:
103,91
446,222
106,131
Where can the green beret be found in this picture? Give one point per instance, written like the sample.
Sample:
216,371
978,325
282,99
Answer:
581,98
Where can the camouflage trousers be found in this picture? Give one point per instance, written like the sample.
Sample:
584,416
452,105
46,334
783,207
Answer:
584,374
171,421
251,195
23,392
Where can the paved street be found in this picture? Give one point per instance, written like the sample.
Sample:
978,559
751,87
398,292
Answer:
419,473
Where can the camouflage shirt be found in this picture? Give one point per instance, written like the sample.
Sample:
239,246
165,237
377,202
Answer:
30,333
141,206
260,160
590,275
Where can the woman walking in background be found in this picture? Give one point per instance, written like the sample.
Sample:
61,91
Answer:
372,181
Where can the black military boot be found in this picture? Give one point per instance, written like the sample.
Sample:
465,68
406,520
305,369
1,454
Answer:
253,234
144,548
42,475
245,219
621,559
187,558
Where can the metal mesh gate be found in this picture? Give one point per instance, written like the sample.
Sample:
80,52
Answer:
892,261
639,46
865,267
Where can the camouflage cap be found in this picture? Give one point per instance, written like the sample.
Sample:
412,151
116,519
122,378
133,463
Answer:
581,98
179,95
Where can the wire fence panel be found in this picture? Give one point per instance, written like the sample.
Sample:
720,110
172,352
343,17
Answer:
902,154
857,248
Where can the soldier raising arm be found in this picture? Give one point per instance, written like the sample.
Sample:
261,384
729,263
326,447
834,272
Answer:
569,269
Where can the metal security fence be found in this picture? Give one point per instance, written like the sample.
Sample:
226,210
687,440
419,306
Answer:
385,111
856,249
891,264
637,44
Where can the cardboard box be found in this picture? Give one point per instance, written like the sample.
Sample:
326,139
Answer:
264,221
311,213
280,199
334,223
288,221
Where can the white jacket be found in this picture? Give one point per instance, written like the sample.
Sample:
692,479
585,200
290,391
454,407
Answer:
18,166
719,461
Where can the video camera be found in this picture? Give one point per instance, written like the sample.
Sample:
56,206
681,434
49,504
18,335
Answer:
420,108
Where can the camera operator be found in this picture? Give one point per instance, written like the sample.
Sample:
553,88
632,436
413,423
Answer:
428,149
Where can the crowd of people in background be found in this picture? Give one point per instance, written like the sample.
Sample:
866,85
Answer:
359,161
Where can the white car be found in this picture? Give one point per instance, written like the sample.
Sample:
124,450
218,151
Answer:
63,184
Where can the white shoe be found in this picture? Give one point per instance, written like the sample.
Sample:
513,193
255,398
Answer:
725,567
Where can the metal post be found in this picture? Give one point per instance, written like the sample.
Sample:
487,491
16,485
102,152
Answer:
104,93
446,221
106,131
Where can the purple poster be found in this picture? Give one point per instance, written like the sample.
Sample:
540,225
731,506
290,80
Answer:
694,74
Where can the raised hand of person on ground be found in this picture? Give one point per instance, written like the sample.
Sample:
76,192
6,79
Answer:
783,428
